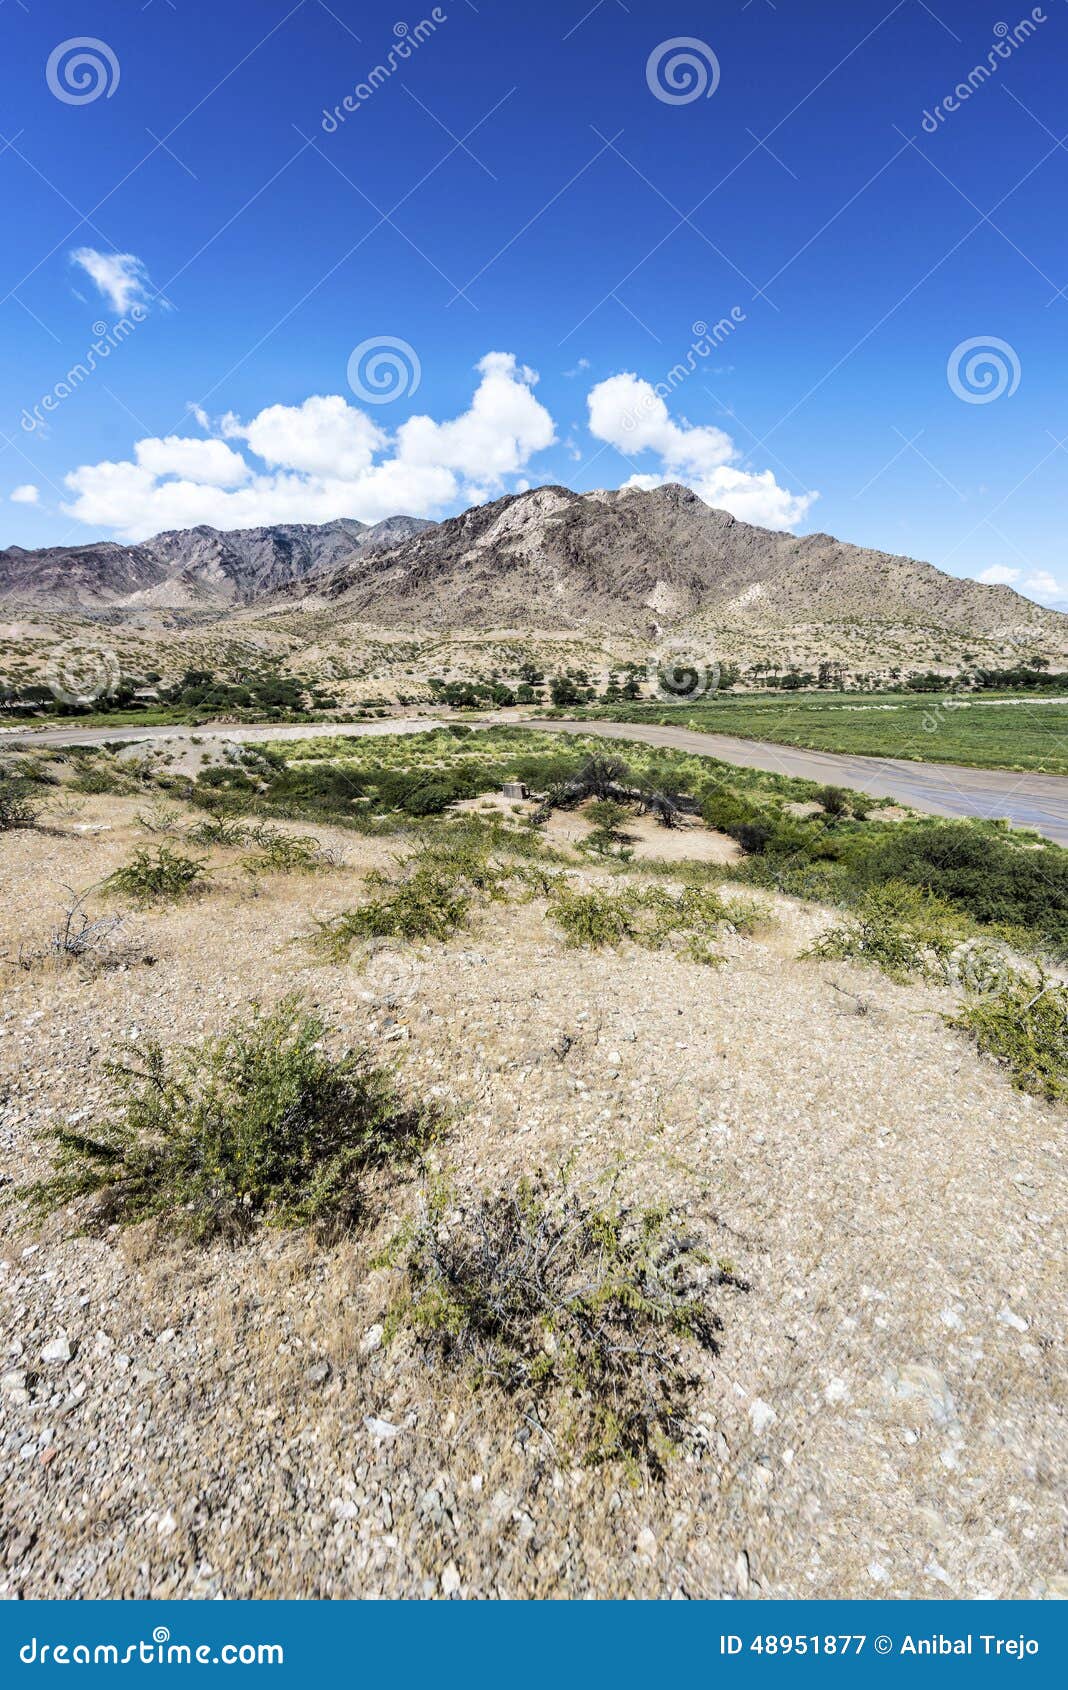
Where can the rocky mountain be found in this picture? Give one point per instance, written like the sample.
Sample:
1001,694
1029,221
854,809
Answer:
191,568
646,567
646,564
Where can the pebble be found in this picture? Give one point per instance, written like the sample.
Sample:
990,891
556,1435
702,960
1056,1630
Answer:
761,1415
58,1350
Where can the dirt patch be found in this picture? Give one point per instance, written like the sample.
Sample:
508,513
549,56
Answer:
566,829
882,1418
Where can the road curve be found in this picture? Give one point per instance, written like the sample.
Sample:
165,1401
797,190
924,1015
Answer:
940,789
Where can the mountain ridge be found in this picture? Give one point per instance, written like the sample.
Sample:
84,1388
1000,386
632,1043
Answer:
645,565
190,568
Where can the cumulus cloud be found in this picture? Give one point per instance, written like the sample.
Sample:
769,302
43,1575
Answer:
120,277
1040,584
1037,584
321,459
999,576
631,415
209,461
27,494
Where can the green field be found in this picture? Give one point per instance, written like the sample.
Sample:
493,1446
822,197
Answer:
1025,732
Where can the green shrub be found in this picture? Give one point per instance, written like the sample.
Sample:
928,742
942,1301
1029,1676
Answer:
158,876
995,878
588,1316
835,800
649,916
900,929
597,917
17,808
1024,1024
216,831
430,895
257,1125
288,853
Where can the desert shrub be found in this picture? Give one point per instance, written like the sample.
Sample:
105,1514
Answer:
835,800
596,917
991,876
216,831
589,1316
158,876
161,818
900,929
288,853
17,806
724,810
424,902
607,837
256,1125
431,893
1024,1024
650,916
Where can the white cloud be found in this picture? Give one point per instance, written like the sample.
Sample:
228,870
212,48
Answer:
27,494
629,414
324,458
1038,584
209,461
120,277
999,576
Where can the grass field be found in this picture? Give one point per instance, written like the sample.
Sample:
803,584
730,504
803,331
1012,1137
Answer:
1024,732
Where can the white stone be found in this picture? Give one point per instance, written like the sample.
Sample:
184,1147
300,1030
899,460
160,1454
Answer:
58,1350
380,1428
761,1415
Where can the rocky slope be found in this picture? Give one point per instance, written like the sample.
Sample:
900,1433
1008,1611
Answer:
648,563
633,568
191,568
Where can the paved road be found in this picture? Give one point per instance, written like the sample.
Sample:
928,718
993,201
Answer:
941,789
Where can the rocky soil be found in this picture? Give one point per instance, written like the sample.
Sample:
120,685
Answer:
885,1416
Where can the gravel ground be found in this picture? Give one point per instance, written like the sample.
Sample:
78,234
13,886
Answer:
885,1416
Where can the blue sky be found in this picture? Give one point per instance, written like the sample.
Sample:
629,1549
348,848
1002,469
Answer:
515,197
